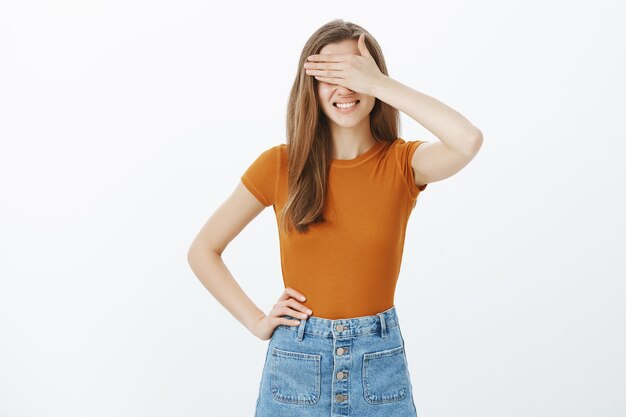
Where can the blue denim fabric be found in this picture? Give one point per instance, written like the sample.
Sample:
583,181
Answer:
354,367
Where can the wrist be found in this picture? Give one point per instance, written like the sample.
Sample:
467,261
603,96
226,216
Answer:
379,85
253,325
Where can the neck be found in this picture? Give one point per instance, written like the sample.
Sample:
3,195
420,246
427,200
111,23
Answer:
348,143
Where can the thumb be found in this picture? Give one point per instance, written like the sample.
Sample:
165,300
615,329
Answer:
362,47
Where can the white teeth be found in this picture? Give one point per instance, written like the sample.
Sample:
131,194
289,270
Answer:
346,105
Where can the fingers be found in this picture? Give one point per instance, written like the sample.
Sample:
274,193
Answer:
288,322
293,308
329,57
280,311
290,292
288,304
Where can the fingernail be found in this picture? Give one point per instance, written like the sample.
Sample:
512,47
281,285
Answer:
309,311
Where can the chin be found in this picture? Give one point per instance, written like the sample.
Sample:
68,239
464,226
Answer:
351,121
347,125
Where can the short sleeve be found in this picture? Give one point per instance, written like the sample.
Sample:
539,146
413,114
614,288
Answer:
404,154
261,176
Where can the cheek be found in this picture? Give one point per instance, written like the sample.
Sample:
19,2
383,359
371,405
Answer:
370,104
323,93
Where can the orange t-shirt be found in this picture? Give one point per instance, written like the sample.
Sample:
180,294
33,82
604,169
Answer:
349,265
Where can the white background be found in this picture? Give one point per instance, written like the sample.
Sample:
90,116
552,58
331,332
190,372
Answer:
125,124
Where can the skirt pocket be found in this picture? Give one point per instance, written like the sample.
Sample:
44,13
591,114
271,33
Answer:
295,377
385,376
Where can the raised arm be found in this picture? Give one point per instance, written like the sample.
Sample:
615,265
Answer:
459,139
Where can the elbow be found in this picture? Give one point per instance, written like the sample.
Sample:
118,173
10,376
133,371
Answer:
193,253
475,142
196,252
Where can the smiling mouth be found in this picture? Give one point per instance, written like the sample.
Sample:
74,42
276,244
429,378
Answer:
355,103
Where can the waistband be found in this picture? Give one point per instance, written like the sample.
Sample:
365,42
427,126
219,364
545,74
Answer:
346,327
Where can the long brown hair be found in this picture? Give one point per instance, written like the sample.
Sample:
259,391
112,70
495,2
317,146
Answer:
309,141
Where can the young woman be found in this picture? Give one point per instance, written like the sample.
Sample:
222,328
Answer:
342,189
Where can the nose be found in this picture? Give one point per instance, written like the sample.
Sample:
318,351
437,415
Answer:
343,91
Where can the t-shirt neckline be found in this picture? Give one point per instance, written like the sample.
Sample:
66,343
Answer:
343,163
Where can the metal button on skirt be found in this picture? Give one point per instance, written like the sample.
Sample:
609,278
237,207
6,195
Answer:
353,367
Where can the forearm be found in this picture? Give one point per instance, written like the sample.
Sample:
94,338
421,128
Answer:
444,122
212,272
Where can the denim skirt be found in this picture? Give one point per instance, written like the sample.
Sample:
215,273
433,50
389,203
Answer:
353,367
